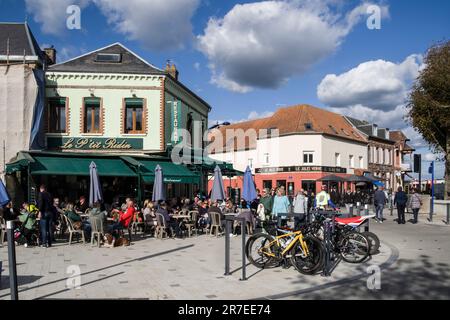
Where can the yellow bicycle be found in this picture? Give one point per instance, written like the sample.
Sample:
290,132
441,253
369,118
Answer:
305,253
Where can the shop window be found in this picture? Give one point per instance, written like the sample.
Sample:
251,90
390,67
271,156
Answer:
267,184
92,115
134,116
57,116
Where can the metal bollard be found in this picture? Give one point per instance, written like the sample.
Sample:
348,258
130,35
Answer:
227,246
351,210
448,214
12,260
244,277
366,210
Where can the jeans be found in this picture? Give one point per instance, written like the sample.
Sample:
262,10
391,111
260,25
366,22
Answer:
299,221
45,226
401,213
416,214
379,211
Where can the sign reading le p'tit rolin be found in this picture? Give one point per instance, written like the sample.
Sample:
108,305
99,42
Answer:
88,143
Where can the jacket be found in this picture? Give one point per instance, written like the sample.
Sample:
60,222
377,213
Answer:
300,204
267,202
400,198
379,198
280,205
415,202
44,202
349,198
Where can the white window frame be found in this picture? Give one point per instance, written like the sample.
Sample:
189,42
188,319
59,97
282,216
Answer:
310,157
351,161
337,159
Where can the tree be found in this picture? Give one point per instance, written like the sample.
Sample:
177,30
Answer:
429,104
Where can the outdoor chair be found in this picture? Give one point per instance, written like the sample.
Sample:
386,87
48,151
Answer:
97,230
161,227
2,230
72,230
192,224
149,224
216,223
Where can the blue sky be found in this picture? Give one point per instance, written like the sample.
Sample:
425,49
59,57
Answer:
248,58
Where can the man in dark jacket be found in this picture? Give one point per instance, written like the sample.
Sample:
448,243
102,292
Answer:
379,199
45,206
267,201
400,201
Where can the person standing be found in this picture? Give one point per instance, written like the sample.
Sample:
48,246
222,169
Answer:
281,204
267,201
415,204
300,204
45,215
379,199
400,201
323,199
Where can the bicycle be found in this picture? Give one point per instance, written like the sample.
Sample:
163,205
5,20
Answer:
305,253
351,245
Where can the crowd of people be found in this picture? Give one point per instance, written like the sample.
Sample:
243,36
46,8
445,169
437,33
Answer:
46,214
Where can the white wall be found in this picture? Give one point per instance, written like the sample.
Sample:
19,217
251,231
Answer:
288,151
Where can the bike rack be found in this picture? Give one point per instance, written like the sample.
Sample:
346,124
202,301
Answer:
228,221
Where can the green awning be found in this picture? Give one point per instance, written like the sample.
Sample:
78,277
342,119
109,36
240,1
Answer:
71,166
173,173
20,163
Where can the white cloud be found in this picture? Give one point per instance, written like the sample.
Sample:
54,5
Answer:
379,84
263,44
197,66
157,24
51,14
68,52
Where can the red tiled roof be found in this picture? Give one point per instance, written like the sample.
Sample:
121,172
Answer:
294,119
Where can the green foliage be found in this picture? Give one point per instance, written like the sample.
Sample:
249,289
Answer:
429,100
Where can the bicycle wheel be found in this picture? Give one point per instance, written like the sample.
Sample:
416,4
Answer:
308,263
354,247
374,241
259,252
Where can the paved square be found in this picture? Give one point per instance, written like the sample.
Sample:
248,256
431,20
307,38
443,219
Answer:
414,261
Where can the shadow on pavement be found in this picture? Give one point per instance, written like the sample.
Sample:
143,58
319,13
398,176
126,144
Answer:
107,267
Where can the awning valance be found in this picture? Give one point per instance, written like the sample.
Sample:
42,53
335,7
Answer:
173,173
53,165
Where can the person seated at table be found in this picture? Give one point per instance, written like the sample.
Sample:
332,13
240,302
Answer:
76,219
70,213
215,208
125,218
204,220
171,223
229,207
81,206
186,205
149,213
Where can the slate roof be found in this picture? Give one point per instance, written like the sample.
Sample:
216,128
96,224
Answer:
367,128
21,40
130,63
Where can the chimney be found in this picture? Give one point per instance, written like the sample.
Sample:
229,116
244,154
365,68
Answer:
50,54
172,70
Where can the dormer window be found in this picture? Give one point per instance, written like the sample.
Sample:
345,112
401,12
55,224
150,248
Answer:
308,126
108,57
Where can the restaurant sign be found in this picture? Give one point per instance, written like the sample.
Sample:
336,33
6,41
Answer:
95,143
301,169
